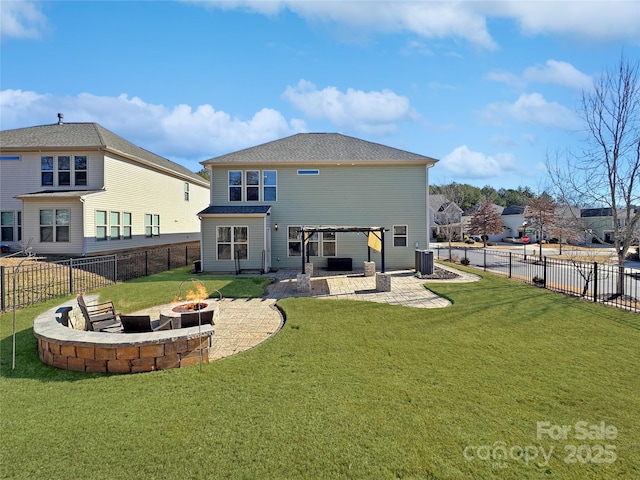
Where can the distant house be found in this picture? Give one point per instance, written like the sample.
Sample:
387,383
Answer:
598,222
262,197
446,218
80,189
513,218
466,219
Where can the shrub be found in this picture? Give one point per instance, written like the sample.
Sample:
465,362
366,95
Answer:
465,261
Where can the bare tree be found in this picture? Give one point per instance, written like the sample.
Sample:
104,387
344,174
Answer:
607,173
541,214
568,228
486,221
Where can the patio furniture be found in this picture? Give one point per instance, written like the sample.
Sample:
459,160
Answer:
336,264
196,318
136,323
99,317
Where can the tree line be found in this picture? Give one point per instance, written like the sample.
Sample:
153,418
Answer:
467,196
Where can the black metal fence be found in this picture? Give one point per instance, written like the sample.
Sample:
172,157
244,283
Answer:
599,282
31,281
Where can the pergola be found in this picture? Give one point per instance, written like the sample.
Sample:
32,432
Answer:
309,230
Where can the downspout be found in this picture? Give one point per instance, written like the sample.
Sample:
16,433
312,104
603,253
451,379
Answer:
84,225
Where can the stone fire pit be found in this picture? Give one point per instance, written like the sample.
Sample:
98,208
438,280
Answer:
175,311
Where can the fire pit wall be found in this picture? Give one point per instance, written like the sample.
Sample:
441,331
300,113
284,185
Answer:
66,348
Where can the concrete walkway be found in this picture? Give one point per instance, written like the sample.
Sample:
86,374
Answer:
246,323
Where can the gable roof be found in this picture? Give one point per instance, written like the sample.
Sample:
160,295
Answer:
88,136
513,210
317,148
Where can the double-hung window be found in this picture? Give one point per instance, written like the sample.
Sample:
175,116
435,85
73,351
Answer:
294,241
253,185
46,171
101,225
64,170
114,223
186,191
269,185
400,235
6,226
232,243
80,169
151,225
235,185
126,225
54,225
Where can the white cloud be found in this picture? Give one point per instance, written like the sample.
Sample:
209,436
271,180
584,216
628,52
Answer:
181,132
507,78
532,108
21,19
465,163
560,73
602,20
371,112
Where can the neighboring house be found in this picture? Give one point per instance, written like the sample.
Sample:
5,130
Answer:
79,189
466,219
446,218
513,218
261,197
598,223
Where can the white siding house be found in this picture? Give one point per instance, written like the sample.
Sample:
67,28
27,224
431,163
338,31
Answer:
261,197
80,189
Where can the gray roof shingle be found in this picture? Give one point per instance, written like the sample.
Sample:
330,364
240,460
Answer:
87,136
315,148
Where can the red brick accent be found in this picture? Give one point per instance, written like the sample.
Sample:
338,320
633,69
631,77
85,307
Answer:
152,351
76,364
105,353
127,353
118,366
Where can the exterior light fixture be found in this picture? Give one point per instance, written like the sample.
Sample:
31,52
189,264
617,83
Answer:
275,226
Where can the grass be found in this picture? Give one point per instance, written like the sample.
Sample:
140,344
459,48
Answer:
345,390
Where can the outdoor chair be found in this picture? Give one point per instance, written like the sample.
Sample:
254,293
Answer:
196,318
136,323
99,317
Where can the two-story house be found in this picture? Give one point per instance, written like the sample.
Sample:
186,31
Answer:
446,218
80,189
263,196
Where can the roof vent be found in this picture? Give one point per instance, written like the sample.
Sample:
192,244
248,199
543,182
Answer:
60,117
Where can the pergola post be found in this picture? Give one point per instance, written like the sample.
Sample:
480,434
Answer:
382,252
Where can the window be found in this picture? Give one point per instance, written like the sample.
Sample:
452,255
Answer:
328,244
126,225
294,241
46,171
232,243
269,185
6,226
186,191
80,167
54,225
400,236
253,185
64,170
151,225
312,244
314,171
10,158
101,225
114,223
235,186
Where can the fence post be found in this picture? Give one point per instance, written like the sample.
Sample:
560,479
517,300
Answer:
186,255
484,258
544,269
2,289
146,263
71,276
169,258
595,281
510,264
115,268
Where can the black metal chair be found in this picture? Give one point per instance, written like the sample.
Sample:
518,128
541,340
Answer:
136,323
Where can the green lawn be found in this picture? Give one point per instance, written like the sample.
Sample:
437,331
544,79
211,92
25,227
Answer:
345,390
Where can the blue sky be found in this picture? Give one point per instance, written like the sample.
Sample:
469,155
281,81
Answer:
488,88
